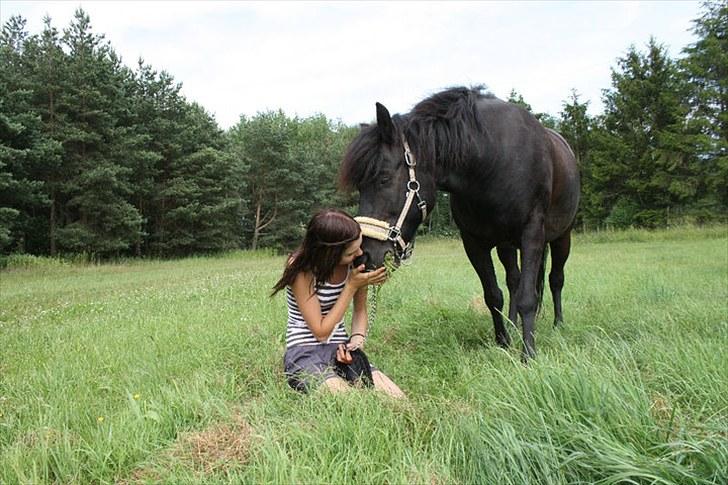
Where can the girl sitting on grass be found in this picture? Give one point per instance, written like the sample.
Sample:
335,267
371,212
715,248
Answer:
321,283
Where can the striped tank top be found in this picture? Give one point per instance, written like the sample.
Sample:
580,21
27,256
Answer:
298,333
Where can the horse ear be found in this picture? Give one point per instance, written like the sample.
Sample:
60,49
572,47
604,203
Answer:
385,125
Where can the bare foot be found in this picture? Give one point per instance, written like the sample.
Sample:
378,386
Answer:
385,384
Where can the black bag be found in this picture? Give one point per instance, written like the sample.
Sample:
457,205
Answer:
359,371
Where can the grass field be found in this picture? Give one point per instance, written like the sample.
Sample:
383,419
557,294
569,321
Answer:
170,372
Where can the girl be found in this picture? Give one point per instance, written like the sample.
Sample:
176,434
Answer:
320,285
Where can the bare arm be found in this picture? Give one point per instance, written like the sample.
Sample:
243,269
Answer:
359,320
322,325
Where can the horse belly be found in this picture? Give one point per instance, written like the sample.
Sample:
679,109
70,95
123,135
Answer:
481,222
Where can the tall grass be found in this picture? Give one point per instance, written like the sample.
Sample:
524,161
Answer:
170,372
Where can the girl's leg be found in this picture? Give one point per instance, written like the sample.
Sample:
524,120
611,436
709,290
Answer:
336,384
385,384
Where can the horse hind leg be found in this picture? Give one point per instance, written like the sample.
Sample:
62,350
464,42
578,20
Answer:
508,255
479,256
560,249
532,248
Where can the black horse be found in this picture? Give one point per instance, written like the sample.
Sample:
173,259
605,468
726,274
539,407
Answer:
514,185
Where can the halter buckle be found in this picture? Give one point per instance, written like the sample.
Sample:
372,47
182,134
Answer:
408,159
406,254
394,233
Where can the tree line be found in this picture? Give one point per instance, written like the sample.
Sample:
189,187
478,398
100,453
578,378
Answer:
105,160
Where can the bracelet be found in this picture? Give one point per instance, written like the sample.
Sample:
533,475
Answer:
359,334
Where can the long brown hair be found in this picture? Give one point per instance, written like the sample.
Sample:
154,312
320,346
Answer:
328,233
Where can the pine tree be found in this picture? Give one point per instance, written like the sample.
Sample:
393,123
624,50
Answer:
162,112
706,68
133,147
575,125
577,128
203,210
47,72
99,159
21,141
641,166
100,219
11,101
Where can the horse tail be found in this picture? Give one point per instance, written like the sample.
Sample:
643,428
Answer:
540,281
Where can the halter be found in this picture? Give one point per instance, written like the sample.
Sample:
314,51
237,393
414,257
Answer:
381,230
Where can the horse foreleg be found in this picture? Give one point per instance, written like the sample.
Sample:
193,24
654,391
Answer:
479,256
560,249
509,257
532,247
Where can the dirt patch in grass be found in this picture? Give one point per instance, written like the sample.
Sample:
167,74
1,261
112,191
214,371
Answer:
661,409
216,448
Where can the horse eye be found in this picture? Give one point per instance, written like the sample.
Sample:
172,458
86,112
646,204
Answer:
384,181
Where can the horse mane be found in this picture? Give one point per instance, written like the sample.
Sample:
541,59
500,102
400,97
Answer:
444,131
362,160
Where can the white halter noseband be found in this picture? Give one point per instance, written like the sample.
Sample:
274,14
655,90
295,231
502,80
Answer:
381,230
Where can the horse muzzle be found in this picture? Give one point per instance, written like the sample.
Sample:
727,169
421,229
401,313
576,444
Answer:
374,253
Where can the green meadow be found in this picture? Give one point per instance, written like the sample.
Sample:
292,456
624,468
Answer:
170,372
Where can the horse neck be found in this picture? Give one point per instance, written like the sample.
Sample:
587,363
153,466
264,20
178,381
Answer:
476,169
457,170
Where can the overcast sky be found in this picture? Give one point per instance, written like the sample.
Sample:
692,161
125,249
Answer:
339,58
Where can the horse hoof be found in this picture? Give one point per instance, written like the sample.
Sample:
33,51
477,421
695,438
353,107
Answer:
503,342
527,354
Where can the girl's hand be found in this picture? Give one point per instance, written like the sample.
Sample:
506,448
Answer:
343,355
356,342
359,279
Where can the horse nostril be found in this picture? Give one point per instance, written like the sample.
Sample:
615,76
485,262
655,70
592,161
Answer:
361,259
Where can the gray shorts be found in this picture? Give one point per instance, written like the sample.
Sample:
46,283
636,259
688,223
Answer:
308,366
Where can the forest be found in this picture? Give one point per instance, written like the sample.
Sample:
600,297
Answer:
103,160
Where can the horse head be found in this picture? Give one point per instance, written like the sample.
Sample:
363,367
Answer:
395,193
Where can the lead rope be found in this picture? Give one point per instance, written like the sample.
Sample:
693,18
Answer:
373,294
372,314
